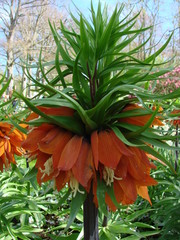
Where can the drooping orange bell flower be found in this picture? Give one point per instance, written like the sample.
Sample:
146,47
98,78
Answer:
10,144
127,168
69,158
61,155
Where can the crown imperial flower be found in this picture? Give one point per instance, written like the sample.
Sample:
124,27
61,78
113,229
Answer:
10,144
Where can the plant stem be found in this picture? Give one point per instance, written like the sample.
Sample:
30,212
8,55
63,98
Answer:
90,218
176,151
104,224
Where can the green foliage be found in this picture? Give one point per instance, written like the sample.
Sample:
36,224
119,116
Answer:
167,203
17,206
26,210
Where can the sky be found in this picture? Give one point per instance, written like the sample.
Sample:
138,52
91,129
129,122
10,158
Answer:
167,9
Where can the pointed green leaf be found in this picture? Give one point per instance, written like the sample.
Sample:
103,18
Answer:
57,64
101,190
3,89
76,204
122,138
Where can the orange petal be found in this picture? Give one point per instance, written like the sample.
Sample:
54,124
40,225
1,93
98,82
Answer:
83,168
59,111
44,178
5,125
128,186
1,134
143,192
16,150
62,179
118,191
32,116
46,127
31,143
126,200
7,145
34,137
121,170
136,167
141,158
51,134
49,142
120,145
2,150
94,145
41,159
21,136
147,181
70,153
65,138
10,158
16,140
138,121
109,155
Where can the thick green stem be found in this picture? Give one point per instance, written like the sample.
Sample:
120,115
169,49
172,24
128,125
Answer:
90,218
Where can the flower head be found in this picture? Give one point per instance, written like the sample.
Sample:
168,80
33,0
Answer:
80,160
60,154
10,144
125,168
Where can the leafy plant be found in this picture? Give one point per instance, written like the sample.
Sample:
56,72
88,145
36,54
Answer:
26,211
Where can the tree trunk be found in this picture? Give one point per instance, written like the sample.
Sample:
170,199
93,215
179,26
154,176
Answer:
10,60
90,218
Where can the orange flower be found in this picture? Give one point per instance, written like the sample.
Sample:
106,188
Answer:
10,144
127,168
80,160
139,120
62,156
